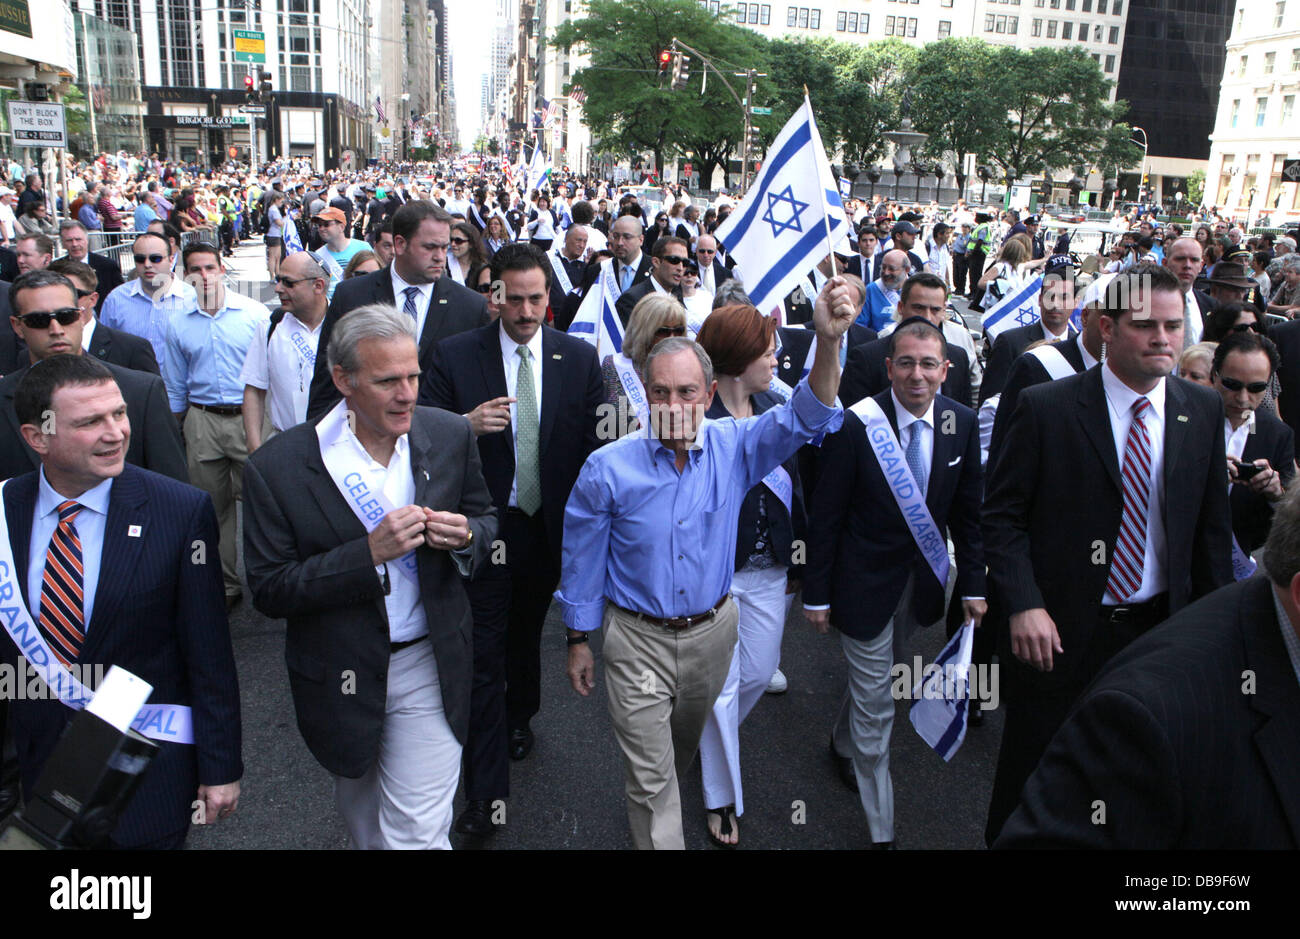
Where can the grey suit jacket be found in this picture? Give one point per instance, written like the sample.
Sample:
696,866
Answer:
308,561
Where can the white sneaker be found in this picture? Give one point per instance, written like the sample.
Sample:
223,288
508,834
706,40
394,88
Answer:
778,684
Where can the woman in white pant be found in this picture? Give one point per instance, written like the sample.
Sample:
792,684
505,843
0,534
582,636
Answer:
742,344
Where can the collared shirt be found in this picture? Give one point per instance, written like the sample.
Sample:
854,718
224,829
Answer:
283,368
1195,324
706,279
1119,401
657,541
1088,360
1289,637
1234,441
619,265
205,354
421,301
87,333
510,359
129,308
90,532
1054,337
909,423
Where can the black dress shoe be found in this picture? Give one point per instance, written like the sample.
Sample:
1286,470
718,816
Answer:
882,846
476,820
8,799
844,766
521,743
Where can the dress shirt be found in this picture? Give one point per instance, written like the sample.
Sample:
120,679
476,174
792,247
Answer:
510,359
629,491
1053,337
129,308
909,424
1193,316
1119,402
421,302
87,333
1088,360
706,280
1234,441
205,354
90,531
618,269
282,369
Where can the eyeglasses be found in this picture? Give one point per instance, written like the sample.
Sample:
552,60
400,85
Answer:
41,319
663,332
927,365
673,259
83,294
1245,327
290,282
151,258
460,241
1233,384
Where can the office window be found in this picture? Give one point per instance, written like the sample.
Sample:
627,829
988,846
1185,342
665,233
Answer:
1225,178
740,13
815,20
1051,29
1279,11
1001,25
1096,33
765,14
1114,35
1110,63
1116,7
1241,65
1269,59
803,18
1038,3
840,21
989,20
791,16
1036,28
1083,32
1069,4
1236,109
1288,107
945,28
889,25
1101,6
1055,4
1295,60
1087,6
1013,24
853,22
911,27
1067,30
1261,109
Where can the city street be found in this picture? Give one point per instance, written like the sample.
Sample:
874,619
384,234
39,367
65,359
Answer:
569,792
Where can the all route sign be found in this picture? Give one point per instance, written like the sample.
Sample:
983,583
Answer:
250,46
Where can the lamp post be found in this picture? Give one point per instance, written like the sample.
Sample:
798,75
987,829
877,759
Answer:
1143,176
873,174
1250,206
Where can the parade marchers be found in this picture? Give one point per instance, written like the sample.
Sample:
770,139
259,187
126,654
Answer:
421,460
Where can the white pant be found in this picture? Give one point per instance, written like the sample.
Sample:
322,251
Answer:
866,717
763,604
404,801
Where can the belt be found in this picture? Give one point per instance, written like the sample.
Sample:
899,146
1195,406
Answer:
405,644
224,410
678,623
1153,610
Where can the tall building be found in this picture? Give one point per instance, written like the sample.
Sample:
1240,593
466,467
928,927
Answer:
405,33
315,51
543,75
108,74
1255,128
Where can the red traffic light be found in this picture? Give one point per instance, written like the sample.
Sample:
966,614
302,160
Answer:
248,82
665,59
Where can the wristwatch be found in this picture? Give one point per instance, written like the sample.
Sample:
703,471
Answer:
577,640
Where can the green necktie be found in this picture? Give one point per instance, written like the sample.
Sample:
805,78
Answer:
528,483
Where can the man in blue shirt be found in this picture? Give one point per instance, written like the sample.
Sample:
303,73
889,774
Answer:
145,212
649,549
144,305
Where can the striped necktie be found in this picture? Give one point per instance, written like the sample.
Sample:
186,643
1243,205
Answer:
409,306
528,481
62,603
1126,566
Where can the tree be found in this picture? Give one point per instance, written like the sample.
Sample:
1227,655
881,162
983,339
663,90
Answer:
870,95
629,106
955,102
1195,188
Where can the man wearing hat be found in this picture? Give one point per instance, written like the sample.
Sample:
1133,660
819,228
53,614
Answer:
337,248
902,236
1230,283
1036,236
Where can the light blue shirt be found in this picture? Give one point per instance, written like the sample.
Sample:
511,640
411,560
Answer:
143,215
90,531
129,308
89,217
205,354
655,541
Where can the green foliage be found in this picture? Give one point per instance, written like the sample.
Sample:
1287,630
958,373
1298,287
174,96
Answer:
1196,187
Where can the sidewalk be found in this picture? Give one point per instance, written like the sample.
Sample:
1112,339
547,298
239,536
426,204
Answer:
247,274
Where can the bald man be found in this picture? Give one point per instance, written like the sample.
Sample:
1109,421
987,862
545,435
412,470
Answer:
1184,259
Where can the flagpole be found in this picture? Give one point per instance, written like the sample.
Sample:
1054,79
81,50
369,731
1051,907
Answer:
826,218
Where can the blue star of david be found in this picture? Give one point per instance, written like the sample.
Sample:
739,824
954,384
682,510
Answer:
796,207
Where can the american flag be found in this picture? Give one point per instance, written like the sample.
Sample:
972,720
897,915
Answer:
379,110
550,112
577,94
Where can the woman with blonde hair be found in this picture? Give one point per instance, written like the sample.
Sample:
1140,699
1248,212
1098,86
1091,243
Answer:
1197,363
656,317
1007,274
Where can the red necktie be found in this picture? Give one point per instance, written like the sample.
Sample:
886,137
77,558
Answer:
1130,548
62,604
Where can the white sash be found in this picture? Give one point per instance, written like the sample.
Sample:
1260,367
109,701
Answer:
561,275
609,281
1052,359
782,486
368,506
453,268
330,265
170,722
911,501
1243,565
633,388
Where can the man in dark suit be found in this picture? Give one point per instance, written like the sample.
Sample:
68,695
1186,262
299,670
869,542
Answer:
795,342
1180,753
1286,336
531,458
567,257
108,273
103,342
668,259
1055,304
13,351
1243,365
712,271
104,557
867,573
379,628
155,442
1145,529
866,263
631,266
416,283
1184,259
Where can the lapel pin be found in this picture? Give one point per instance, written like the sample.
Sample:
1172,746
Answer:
426,474
442,299
1183,418
133,531
557,356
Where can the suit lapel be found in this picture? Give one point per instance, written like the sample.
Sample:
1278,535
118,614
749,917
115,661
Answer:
101,342
433,317
384,287
19,508
1176,424
552,366
338,516
421,446
120,554
942,450
1277,697
1094,415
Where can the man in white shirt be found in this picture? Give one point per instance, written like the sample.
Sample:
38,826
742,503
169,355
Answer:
939,259
281,361
1184,260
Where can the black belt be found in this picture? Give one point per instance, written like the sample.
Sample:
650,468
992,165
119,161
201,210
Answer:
405,644
678,623
1154,610
224,410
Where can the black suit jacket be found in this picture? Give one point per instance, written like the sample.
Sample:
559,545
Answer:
108,274
123,349
720,272
589,277
865,373
1252,514
468,370
794,343
1287,338
1166,739
13,351
1008,347
155,435
8,264
855,267
453,308
860,549
308,561
630,297
1025,372
562,312
1049,510
158,615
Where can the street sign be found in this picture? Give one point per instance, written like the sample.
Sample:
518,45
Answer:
760,111
37,124
1291,171
252,109
250,46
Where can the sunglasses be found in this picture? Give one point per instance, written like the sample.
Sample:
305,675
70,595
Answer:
290,282
460,241
41,320
484,288
671,259
1233,384
1245,327
83,294
151,258
666,331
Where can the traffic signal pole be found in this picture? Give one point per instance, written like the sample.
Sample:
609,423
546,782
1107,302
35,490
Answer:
677,48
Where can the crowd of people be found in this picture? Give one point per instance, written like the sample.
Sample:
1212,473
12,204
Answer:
428,451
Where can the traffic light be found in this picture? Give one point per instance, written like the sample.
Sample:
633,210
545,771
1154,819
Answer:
250,89
681,71
665,60
264,82
755,141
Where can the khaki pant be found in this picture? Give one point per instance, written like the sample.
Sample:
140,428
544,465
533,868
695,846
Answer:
216,450
662,685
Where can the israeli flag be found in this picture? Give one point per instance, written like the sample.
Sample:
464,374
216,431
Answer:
1016,309
779,232
292,243
597,321
538,170
941,697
